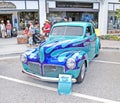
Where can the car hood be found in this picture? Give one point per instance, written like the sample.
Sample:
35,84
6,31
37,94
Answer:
57,49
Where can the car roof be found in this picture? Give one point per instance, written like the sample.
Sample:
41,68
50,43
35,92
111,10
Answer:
75,23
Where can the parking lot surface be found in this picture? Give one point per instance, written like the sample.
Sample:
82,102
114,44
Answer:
101,84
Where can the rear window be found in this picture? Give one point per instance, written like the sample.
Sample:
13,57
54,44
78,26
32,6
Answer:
67,30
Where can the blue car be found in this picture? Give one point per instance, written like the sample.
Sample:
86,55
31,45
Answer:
68,50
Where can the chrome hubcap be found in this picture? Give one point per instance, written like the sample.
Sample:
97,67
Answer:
83,71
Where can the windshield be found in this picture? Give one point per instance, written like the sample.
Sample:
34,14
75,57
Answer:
67,30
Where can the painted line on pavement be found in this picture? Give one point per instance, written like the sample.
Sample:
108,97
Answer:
108,62
93,98
10,57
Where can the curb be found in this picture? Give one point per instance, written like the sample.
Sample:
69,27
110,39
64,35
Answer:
110,48
10,54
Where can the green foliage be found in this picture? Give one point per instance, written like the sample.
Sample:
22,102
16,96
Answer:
111,37
118,13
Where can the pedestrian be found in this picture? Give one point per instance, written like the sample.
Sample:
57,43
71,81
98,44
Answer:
47,27
36,35
31,32
65,18
8,28
0,32
3,29
26,31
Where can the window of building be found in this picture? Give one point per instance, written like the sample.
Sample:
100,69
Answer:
26,17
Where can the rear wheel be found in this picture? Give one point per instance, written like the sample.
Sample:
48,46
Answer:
81,76
98,51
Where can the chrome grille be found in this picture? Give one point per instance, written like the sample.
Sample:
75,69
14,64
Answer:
34,68
52,70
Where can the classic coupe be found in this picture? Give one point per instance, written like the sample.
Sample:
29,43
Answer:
68,50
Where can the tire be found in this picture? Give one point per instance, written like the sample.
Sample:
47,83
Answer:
81,76
98,51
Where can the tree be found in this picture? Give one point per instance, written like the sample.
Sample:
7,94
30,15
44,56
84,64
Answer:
118,13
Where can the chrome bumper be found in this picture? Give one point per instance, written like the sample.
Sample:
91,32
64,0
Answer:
48,79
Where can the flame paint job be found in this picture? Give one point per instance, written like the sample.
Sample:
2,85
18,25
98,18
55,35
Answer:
55,50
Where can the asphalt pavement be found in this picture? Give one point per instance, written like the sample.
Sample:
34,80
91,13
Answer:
101,84
10,46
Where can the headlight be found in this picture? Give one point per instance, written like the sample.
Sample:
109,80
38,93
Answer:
71,63
23,58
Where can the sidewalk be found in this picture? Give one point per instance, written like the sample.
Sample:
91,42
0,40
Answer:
10,46
109,44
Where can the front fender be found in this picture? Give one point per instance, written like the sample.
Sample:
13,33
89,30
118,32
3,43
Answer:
32,55
80,57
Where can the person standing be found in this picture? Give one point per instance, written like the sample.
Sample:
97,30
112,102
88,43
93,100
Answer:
0,32
8,28
31,33
47,27
36,35
65,18
3,29
26,31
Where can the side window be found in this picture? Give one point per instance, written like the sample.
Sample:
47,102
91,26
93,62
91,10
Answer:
93,29
88,31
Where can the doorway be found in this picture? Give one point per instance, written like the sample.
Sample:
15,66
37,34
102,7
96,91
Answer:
6,17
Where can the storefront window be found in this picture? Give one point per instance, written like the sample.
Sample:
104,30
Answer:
113,22
26,17
55,17
74,16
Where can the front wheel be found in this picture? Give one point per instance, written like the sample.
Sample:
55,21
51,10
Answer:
81,76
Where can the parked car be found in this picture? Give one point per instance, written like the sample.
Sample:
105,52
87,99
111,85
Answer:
68,50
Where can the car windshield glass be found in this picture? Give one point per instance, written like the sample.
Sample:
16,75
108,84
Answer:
67,30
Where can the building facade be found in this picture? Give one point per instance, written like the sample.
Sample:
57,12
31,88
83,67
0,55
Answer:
101,12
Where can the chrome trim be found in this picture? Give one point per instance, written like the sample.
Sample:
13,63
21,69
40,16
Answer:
48,79
53,65
34,63
38,65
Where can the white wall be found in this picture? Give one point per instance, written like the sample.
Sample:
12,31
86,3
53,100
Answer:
52,4
95,5
29,4
103,17
32,4
113,0
76,0
116,6
19,4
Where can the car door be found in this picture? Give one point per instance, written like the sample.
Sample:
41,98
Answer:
90,35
